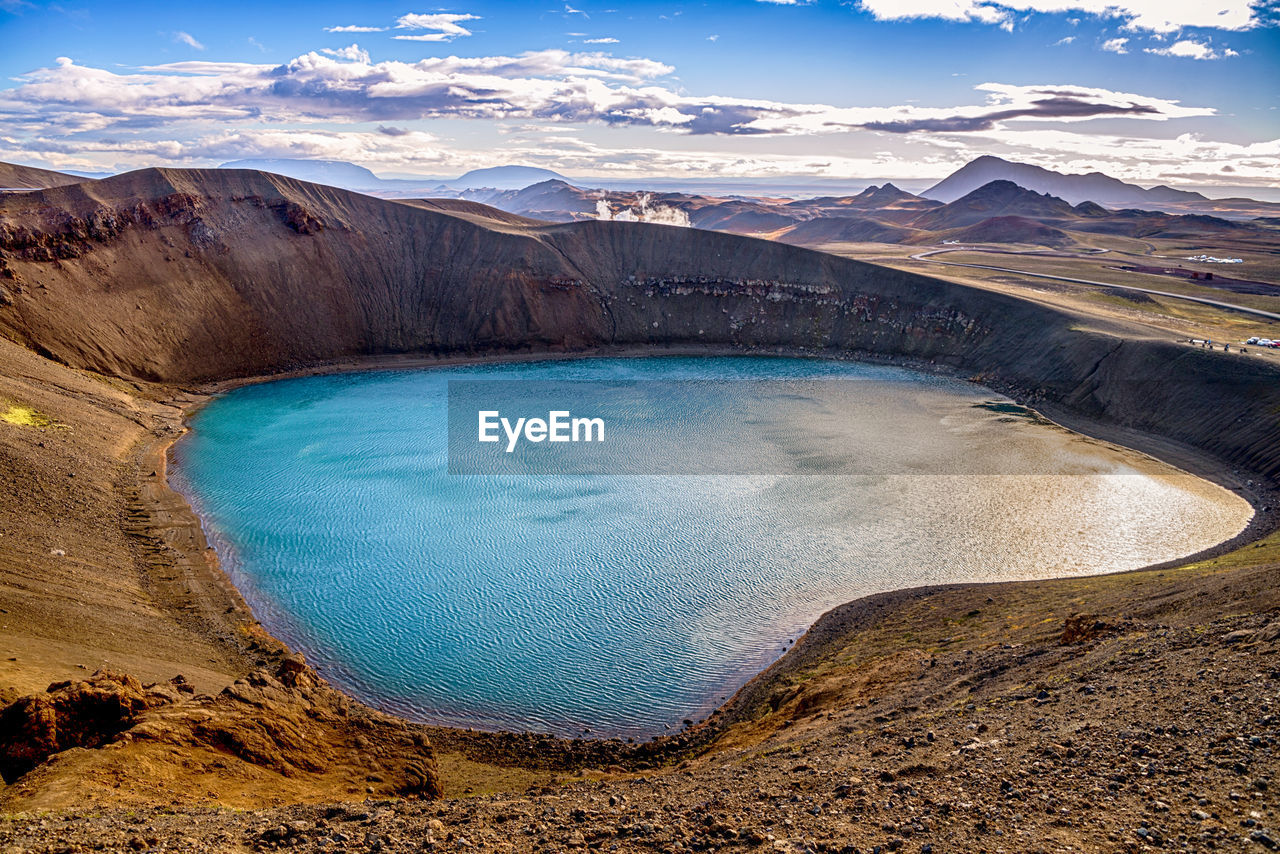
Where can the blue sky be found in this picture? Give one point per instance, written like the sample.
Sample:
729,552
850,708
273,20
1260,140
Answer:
1156,91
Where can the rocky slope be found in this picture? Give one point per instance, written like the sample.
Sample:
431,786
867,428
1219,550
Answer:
98,569
14,176
285,732
1126,713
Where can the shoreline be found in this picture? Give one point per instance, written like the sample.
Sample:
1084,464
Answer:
182,530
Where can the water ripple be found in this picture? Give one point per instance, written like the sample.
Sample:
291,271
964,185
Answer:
626,604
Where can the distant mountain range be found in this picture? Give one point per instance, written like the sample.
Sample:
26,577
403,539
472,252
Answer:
1093,187
333,173
560,201
349,176
1074,189
1000,210
505,177
1096,188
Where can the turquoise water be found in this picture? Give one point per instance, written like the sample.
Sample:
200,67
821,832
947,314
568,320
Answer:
624,604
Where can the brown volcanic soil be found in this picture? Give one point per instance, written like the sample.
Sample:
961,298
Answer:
472,212
87,579
13,176
1037,744
1226,283
1008,229
1124,713
834,229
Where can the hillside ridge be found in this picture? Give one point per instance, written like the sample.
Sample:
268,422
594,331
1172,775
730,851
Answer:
14,176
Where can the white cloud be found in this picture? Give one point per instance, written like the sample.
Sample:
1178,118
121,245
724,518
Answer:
341,104
345,85
368,147
1190,49
1064,40
714,37
1161,16
606,40
558,105
187,39
351,28
445,26
1186,158
1005,104
351,52
1115,45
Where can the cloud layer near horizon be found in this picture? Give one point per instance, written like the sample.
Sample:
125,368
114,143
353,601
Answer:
549,85
325,104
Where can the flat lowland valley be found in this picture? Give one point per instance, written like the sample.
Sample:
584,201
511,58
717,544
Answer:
145,708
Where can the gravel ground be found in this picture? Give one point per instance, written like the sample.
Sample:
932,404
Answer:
1135,735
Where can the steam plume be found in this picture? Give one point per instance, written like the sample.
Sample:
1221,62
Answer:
642,212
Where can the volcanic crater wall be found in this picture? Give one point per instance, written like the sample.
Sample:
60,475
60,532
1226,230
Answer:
186,275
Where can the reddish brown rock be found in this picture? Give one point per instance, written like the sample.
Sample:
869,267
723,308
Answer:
70,714
287,724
